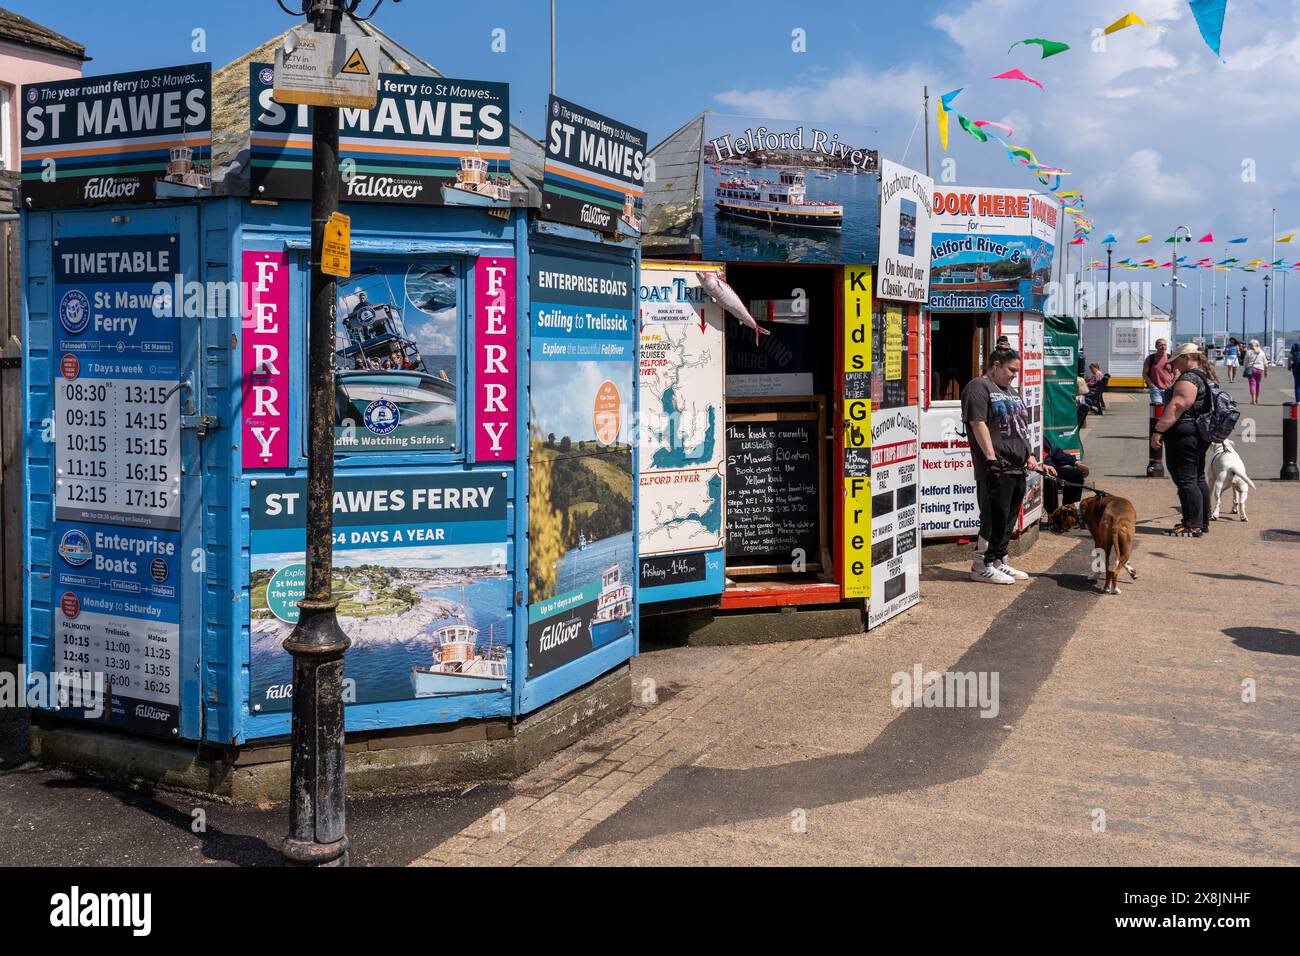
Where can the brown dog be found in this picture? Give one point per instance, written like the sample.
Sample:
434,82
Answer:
1113,524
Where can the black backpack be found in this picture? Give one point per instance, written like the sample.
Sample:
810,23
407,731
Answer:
1220,417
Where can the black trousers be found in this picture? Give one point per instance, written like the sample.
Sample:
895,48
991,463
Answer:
1071,494
999,495
1185,457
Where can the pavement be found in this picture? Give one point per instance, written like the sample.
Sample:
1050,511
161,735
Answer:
1157,726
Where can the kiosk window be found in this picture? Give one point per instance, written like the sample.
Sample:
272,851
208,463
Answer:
397,356
956,353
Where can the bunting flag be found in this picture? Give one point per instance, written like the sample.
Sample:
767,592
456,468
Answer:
1018,74
1238,241
982,123
1128,20
1110,239
971,128
948,97
1209,20
1208,237
1144,239
945,106
1077,242
1287,238
1049,47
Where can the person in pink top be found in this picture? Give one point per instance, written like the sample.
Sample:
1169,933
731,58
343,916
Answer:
1156,372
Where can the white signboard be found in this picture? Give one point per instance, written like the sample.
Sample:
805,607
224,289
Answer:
949,508
682,493
327,69
1031,392
895,512
905,230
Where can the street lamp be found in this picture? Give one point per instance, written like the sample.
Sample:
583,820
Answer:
1243,315
1268,345
1173,279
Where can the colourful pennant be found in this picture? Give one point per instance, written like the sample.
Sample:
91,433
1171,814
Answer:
1049,47
1209,16
1128,20
1208,237
1238,241
1018,74
982,123
1144,239
1287,238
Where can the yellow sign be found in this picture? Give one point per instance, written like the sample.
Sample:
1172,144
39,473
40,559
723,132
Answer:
336,250
356,64
856,558
893,343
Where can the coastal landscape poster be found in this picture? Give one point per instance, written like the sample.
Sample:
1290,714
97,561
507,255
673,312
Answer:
421,576
780,190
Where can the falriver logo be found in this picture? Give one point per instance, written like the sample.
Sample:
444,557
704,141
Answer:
365,186
149,712
75,909
558,633
598,216
109,187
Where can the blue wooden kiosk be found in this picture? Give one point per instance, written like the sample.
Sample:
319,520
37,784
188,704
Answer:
481,350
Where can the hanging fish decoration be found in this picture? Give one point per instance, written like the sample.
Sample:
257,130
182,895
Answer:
725,296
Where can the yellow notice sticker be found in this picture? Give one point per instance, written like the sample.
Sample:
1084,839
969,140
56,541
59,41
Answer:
355,63
336,250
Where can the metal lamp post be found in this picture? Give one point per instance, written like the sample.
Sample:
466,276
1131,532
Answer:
1243,315
317,782
1173,283
1268,345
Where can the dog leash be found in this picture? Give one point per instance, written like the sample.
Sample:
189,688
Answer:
1073,484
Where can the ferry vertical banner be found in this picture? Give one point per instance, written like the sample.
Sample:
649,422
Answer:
855,563
595,169
429,140
125,137
494,337
265,351
906,209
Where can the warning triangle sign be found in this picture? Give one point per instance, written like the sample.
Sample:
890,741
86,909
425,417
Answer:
356,64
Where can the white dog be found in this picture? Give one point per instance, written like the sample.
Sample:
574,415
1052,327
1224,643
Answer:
1227,467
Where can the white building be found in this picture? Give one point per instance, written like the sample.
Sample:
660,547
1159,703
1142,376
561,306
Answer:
1119,335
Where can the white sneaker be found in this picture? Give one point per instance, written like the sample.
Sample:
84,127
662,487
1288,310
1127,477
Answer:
991,575
1011,572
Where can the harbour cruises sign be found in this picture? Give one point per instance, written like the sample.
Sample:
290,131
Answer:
125,137
905,227
777,190
595,169
991,250
428,141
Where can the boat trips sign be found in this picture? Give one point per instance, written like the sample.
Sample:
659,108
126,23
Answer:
905,227
429,140
779,190
595,169
991,250
125,137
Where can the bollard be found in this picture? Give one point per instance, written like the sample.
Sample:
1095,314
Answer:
1290,423
1156,456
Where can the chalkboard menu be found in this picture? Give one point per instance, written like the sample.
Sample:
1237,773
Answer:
773,491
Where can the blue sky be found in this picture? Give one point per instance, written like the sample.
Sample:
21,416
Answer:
1156,131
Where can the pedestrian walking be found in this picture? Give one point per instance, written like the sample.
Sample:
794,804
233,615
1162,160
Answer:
1255,367
1231,355
997,422
1293,363
1156,372
1185,450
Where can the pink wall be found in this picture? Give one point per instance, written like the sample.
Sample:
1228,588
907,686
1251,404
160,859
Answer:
20,65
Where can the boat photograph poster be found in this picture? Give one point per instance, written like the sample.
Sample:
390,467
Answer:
428,141
991,250
906,199
580,506
396,357
595,169
421,578
124,137
778,190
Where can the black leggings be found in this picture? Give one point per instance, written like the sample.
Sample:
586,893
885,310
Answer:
1000,495
1185,456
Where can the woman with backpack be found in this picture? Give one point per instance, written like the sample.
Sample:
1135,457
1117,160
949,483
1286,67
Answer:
1184,446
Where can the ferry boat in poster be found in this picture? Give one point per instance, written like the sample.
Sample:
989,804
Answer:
788,191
